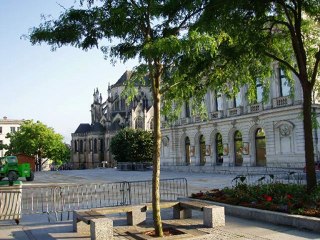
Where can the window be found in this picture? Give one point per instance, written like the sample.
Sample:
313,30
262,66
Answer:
75,146
202,150
238,148
218,102
151,124
116,105
219,149
101,145
12,129
123,104
0,130
237,100
284,84
95,146
81,146
187,110
187,149
139,123
259,91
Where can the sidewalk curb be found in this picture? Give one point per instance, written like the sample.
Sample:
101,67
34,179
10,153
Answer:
297,221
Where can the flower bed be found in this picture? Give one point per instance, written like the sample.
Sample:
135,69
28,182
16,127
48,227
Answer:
287,198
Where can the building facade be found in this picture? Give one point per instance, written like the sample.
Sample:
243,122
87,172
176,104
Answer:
7,126
235,134
90,142
240,134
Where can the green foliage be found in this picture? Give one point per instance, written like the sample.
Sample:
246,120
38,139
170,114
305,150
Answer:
263,32
139,29
276,196
130,145
36,139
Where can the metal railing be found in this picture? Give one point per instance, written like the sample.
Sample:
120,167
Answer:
277,177
66,198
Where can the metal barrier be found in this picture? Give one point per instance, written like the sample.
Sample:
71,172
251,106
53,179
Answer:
66,198
279,177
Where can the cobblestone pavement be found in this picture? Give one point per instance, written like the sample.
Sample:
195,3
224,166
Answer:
196,181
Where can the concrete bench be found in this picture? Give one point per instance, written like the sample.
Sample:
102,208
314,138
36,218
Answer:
99,226
213,216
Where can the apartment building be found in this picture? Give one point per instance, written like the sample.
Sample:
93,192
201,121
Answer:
7,126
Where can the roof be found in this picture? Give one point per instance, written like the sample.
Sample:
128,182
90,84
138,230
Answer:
6,120
97,127
127,74
86,127
83,128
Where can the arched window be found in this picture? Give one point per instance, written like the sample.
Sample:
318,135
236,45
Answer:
151,124
202,145
116,105
219,149
238,148
260,138
139,123
187,149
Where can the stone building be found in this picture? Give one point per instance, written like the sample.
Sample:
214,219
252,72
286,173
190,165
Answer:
236,135
239,134
90,142
7,126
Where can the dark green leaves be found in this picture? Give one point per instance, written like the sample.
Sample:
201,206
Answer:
130,145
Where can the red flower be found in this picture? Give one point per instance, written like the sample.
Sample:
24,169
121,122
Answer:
289,196
267,197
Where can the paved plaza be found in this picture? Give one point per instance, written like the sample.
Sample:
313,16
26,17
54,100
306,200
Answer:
37,227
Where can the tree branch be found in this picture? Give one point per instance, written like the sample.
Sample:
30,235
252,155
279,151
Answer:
286,7
315,69
282,61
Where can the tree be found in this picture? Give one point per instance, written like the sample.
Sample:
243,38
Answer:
37,140
130,145
285,31
147,29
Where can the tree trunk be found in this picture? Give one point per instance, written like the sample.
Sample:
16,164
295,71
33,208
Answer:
156,154
308,139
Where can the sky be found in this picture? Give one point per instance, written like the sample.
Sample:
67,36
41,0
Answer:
55,88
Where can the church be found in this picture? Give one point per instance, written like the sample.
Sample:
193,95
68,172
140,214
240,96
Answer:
236,134
90,142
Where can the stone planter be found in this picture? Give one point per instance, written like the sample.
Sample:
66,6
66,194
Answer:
297,221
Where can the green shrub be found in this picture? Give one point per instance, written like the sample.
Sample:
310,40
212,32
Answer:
132,145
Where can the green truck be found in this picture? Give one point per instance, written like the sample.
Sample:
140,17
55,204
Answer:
10,168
